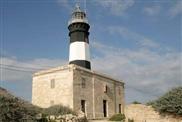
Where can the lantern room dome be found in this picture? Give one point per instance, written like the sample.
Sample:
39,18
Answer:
78,16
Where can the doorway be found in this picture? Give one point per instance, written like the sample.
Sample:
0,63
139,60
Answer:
119,108
83,108
105,108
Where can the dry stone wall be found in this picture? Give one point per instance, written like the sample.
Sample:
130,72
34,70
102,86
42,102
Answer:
143,113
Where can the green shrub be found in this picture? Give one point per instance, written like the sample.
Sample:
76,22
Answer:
130,120
136,102
58,110
42,120
170,103
117,117
14,109
52,121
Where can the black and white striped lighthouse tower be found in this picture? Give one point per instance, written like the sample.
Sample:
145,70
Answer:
79,43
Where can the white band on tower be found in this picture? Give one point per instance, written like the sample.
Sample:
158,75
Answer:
79,51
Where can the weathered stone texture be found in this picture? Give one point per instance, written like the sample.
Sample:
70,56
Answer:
83,93
143,113
94,93
69,90
43,94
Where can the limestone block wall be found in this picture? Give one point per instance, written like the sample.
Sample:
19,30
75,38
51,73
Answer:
100,95
62,93
119,96
94,94
83,93
143,113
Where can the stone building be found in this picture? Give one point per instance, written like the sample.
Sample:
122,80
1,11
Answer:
76,85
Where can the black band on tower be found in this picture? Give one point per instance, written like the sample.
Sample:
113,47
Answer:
79,37
82,63
79,27
79,32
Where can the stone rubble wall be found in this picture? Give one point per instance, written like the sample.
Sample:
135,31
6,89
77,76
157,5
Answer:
67,118
143,113
80,117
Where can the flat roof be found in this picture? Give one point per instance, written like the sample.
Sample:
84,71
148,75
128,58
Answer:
72,66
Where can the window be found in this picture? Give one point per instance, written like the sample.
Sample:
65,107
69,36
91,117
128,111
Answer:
51,102
83,84
52,83
119,90
105,88
81,16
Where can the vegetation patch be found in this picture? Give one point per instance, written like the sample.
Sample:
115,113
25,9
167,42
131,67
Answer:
58,110
130,120
118,117
15,109
136,102
169,103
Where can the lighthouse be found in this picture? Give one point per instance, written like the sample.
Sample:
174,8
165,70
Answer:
78,26
79,87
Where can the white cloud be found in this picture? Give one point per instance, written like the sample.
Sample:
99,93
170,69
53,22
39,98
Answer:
147,73
132,36
116,7
16,75
65,4
152,11
23,70
176,9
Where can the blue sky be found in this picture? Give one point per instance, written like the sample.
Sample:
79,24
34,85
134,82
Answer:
138,41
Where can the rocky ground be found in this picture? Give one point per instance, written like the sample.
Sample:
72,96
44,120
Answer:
98,121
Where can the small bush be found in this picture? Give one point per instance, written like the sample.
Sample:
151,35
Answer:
58,110
42,120
169,103
130,120
136,102
117,117
15,109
